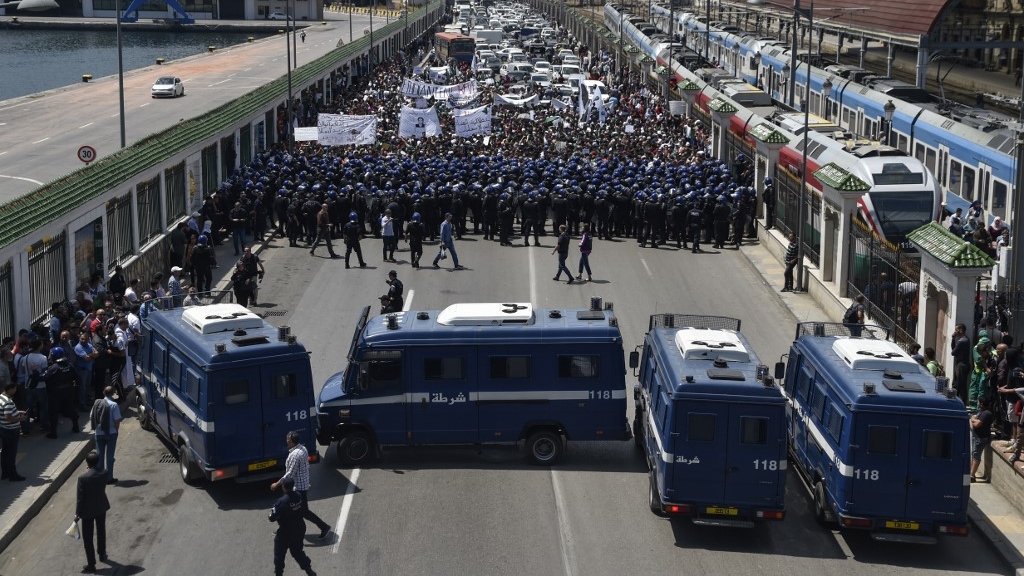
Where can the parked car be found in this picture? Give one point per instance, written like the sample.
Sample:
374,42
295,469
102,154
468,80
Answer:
168,87
278,16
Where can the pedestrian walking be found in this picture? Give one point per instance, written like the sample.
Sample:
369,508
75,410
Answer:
296,469
586,247
389,236
790,259
105,420
10,432
853,318
353,233
91,509
562,248
323,231
291,529
447,244
414,233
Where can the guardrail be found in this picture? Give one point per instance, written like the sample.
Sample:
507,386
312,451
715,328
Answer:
60,197
371,11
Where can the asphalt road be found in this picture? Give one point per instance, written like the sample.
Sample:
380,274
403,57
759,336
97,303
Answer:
460,511
40,134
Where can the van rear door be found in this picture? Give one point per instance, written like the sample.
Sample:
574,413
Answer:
878,467
938,480
237,402
287,404
699,455
755,467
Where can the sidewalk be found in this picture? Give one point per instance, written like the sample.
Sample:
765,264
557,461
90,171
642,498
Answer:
47,464
996,506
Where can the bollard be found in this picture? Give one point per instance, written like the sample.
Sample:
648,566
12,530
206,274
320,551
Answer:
86,77
211,48
250,38
159,61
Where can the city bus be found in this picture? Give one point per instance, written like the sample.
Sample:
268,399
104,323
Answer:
451,45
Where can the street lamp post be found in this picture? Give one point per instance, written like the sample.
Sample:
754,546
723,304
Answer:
809,12
889,109
289,26
120,74
826,91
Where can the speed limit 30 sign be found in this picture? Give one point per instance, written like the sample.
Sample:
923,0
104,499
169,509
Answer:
87,154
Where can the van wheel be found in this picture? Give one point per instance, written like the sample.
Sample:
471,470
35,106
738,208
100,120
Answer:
544,447
189,471
653,499
820,515
638,434
355,448
145,418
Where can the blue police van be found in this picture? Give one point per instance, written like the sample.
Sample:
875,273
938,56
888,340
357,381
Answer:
710,421
880,443
224,387
475,374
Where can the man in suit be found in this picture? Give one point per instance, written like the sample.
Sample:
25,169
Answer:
91,509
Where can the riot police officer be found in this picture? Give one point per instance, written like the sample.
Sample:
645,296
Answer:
291,529
353,233
414,233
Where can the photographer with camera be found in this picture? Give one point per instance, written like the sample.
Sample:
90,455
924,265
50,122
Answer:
392,301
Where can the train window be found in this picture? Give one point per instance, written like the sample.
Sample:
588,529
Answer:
967,187
882,440
919,152
929,160
999,191
835,422
444,368
753,430
845,122
894,173
937,444
902,143
955,176
700,427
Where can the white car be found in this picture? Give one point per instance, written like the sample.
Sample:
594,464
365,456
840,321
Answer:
168,87
542,66
279,16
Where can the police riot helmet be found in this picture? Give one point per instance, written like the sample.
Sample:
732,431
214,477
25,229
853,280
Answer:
767,180
352,216
415,216
202,239
56,352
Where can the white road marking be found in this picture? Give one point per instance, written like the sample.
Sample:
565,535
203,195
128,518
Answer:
43,140
218,83
146,104
646,267
408,301
346,506
86,125
565,542
4,152
115,115
533,278
36,182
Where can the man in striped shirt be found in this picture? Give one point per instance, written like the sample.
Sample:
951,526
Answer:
790,259
296,467
10,431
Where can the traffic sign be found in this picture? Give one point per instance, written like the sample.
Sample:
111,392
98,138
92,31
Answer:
86,154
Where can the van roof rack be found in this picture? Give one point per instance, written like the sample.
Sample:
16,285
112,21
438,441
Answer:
486,314
221,318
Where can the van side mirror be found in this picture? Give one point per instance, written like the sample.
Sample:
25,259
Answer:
634,359
780,370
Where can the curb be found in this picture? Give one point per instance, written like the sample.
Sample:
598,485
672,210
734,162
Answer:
53,478
1005,549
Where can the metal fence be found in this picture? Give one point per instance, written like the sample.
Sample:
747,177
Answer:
177,192
120,245
211,177
888,279
6,301
787,213
693,321
47,275
839,329
148,197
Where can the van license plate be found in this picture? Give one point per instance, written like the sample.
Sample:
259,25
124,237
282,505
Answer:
262,465
902,525
723,511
